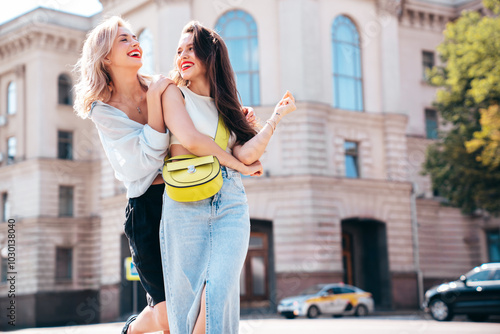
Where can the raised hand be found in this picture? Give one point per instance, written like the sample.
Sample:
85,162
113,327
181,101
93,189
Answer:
286,105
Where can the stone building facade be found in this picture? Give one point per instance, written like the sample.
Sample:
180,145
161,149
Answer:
342,198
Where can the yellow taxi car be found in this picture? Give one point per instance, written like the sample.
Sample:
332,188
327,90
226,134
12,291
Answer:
335,299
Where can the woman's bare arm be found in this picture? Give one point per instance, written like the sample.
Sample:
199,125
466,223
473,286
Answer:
179,122
253,149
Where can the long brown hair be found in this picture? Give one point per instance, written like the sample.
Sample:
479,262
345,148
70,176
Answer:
212,51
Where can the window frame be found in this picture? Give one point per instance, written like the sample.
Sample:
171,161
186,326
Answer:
435,118
251,37
5,206
60,256
336,43
427,65
64,88
11,159
70,201
489,244
356,159
148,55
12,98
65,141
4,268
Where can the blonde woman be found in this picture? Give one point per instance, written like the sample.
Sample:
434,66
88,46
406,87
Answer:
127,111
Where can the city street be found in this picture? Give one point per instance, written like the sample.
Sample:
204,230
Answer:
406,324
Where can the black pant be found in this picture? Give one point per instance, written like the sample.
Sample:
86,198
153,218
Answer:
142,228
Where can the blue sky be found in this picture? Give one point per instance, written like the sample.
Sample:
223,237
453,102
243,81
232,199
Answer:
10,9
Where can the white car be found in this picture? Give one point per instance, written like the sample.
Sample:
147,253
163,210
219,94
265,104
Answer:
334,299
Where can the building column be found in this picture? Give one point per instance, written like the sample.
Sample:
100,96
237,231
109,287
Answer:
172,16
389,45
298,47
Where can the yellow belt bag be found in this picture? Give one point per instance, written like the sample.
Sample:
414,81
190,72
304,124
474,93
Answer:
189,178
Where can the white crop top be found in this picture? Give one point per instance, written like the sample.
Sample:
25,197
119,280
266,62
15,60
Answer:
203,112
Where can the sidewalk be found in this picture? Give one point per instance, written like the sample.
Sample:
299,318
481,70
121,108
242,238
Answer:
250,323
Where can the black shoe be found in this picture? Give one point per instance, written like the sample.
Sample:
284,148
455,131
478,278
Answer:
129,321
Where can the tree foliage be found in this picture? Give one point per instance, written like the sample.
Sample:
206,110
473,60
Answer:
488,139
470,82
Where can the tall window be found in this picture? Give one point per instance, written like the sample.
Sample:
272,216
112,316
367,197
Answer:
64,85
239,31
427,63
351,159
431,123
148,62
64,263
11,150
493,245
11,98
65,145
5,207
347,76
65,201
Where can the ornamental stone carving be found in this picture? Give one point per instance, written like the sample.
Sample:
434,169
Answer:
392,7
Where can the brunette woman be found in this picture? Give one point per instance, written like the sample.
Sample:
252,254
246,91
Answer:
204,243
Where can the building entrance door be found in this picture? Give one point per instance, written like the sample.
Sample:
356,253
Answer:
254,276
347,258
257,280
365,258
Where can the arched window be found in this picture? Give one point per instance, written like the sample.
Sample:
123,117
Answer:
11,98
239,31
64,85
347,76
148,62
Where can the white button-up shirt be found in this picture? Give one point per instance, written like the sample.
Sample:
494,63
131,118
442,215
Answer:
135,151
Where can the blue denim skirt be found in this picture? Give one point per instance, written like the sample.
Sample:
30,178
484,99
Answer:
205,242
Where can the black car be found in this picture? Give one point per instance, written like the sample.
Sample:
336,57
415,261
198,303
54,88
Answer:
476,294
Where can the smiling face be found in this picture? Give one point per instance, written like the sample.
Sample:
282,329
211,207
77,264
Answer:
126,51
189,66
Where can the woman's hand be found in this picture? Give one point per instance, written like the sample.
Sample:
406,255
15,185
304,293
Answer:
286,105
158,85
254,169
250,116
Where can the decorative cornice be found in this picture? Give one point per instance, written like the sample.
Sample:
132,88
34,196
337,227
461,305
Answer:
433,16
392,7
420,15
421,19
41,37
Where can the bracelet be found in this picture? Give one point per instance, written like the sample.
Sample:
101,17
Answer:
272,124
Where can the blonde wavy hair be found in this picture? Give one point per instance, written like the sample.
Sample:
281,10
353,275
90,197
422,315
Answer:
94,81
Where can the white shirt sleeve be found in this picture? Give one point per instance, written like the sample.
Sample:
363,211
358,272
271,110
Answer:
135,151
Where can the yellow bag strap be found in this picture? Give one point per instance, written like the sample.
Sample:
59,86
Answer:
221,139
222,134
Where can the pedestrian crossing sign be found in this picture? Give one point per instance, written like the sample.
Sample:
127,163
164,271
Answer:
130,270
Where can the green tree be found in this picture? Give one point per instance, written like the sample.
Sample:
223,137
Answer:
469,81
488,139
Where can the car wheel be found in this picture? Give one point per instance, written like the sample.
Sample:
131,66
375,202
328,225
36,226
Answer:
313,312
478,317
361,311
440,311
290,316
